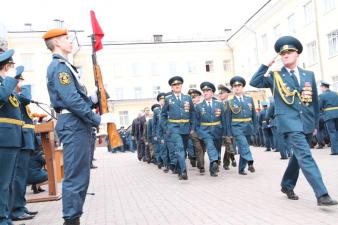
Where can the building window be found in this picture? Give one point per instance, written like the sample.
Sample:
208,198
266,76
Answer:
292,24
155,69
192,86
277,31
156,90
264,42
309,13
191,67
227,66
137,92
124,118
27,61
333,43
312,52
334,86
209,66
329,5
136,68
119,93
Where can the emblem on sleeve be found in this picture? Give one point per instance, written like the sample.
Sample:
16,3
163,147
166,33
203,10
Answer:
64,78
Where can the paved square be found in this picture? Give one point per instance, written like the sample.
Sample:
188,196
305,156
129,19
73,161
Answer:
131,192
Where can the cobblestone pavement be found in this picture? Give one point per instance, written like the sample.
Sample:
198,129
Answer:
131,192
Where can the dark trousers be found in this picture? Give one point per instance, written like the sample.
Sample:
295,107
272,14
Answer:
229,153
332,129
199,148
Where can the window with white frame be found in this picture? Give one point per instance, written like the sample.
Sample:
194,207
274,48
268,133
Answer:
292,24
227,66
155,69
124,118
333,43
329,5
209,66
312,53
309,12
192,86
136,68
138,92
334,86
27,61
277,31
172,68
156,90
119,93
264,39
192,69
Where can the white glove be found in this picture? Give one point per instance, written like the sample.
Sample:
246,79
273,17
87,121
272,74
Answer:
107,118
93,96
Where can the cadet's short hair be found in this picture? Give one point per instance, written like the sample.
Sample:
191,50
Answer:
50,44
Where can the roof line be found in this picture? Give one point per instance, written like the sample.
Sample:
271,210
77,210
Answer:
163,42
37,31
248,20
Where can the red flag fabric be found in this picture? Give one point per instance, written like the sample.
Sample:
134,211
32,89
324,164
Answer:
97,31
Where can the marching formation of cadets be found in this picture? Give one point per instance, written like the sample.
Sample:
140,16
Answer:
294,120
182,126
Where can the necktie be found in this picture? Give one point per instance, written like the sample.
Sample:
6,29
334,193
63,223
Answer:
209,106
178,99
294,78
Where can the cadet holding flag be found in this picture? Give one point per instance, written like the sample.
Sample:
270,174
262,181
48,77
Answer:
74,126
294,89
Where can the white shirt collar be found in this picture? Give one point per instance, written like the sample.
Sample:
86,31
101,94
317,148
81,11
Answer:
296,72
209,101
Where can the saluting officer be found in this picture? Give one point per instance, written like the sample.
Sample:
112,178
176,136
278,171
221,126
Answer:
294,89
328,103
243,123
18,203
196,140
176,118
229,153
74,126
11,131
211,125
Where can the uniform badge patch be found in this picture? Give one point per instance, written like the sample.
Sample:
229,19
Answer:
64,78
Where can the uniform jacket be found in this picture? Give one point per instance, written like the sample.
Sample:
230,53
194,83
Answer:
326,100
66,92
28,132
246,110
297,116
10,133
206,115
173,110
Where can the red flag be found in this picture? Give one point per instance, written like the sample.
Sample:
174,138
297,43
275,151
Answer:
97,31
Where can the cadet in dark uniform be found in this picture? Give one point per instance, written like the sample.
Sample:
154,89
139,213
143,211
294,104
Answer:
176,118
74,126
293,92
161,157
196,141
264,122
243,123
11,131
211,125
229,153
328,103
18,203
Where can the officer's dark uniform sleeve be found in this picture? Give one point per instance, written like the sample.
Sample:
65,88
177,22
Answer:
164,115
315,100
25,95
227,117
321,102
74,102
270,112
254,115
259,80
6,89
192,115
154,122
224,121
